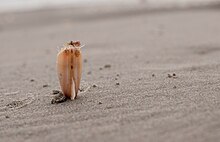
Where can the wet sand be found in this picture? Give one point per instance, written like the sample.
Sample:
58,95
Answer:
148,76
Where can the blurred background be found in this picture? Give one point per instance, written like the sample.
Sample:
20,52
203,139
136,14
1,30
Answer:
22,5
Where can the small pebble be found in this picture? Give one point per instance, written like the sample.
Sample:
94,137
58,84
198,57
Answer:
32,80
117,83
6,116
56,92
89,72
174,74
45,85
108,107
107,66
153,75
174,87
100,103
94,86
117,75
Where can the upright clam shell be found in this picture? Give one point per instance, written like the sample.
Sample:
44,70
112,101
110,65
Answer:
69,69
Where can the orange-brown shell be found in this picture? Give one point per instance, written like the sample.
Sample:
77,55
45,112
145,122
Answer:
69,69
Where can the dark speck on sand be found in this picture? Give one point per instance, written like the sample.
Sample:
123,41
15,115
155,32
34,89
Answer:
55,92
117,83
100,103
45,85
89,72
107,66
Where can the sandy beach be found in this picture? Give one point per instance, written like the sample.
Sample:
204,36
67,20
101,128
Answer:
148,75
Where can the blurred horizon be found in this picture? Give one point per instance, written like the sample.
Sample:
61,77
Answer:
28,5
